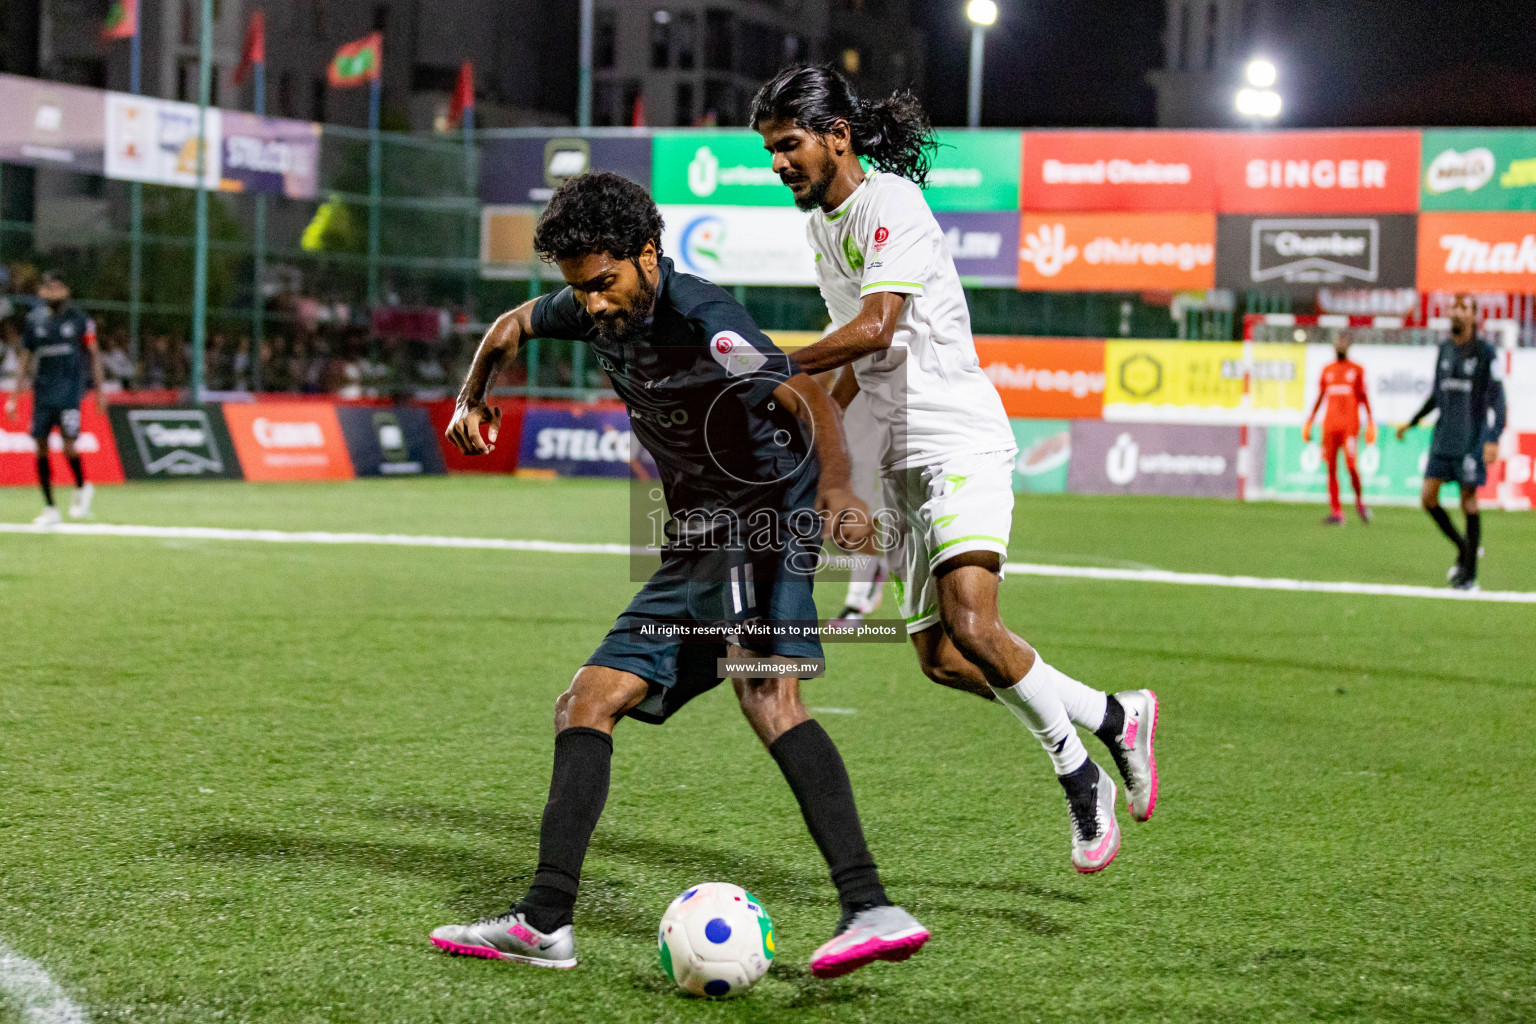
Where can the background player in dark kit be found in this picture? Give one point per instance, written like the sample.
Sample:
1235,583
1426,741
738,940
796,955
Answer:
1468,387
61,340
721,409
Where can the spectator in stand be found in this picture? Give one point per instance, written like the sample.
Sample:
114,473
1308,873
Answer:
117,363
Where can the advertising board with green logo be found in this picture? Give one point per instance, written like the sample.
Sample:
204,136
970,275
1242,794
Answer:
722,168
1391,471
972,170
1476,169
975,170
1045,449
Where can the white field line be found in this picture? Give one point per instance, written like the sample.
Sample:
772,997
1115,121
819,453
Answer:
37,995
1199,579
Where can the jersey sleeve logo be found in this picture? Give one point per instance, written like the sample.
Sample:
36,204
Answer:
735,354
881,234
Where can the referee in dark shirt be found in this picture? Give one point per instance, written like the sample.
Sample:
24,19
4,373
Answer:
1469,393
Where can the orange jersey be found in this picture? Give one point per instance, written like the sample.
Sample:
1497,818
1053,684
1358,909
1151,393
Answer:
1341,388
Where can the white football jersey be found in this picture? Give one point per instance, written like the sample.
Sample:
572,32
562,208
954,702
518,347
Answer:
927,390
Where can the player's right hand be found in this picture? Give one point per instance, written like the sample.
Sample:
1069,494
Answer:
1402,431
1306,434
464,429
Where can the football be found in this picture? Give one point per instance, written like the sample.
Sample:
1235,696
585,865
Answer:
715,940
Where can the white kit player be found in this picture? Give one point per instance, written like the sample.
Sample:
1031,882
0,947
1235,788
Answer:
866,445
902,328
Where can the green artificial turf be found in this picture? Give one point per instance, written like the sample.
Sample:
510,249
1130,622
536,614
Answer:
242,781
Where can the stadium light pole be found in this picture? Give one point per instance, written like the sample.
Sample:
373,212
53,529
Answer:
983,14
200,259
1257,100
584,67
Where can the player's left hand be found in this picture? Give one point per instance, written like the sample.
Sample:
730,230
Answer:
1490,453
1306,434
1370,433
844,518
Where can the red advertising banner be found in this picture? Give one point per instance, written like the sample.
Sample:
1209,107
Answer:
1118,170
1477,252
1046,379
288,441
1106,252
1511,480
503,459
18,455
1317,172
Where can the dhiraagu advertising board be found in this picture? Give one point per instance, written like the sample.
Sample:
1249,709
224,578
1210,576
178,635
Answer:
971,171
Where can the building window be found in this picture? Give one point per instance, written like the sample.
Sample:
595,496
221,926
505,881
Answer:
1184,40
685,38
380,17
317,98
604,39
188,32
317,22
604,99
682,115
632,103
661,39
719,41
1212,24
285,93
719,106
186,82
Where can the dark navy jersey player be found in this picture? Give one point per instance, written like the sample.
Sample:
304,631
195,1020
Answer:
59,345
1468,392
749,451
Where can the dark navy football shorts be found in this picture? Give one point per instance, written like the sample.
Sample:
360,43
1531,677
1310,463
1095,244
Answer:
698,604
46,417
1469,471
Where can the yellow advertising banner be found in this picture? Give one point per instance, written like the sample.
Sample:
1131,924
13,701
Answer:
1203,381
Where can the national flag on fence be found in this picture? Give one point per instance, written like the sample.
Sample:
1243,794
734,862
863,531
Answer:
463,93
122,21
254,50
359,61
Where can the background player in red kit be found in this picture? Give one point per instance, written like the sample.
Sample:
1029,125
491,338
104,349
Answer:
1341,387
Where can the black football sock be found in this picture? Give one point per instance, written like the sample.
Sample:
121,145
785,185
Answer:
45,477
578,789
1114,722
1080,790
816,773
1474,538
1443,520
76,468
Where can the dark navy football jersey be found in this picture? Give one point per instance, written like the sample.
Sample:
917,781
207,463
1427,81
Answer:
58,343
1468,386
699,386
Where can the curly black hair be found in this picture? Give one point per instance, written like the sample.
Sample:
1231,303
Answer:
597,212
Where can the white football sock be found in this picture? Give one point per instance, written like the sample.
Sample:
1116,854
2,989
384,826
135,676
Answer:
1085,705
1035,702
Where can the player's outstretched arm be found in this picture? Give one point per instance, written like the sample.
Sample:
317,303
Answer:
1500,409
23,364
1322,392
497,349
1424,410
870,331
845,518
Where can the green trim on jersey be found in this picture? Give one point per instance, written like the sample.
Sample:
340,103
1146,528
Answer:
888,284
922,614
962,540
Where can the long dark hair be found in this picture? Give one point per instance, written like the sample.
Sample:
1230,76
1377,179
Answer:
894,134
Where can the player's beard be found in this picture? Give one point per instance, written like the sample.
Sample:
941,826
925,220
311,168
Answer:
630,324
816,191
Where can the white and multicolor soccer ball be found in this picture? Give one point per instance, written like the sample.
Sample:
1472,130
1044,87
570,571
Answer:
715,940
